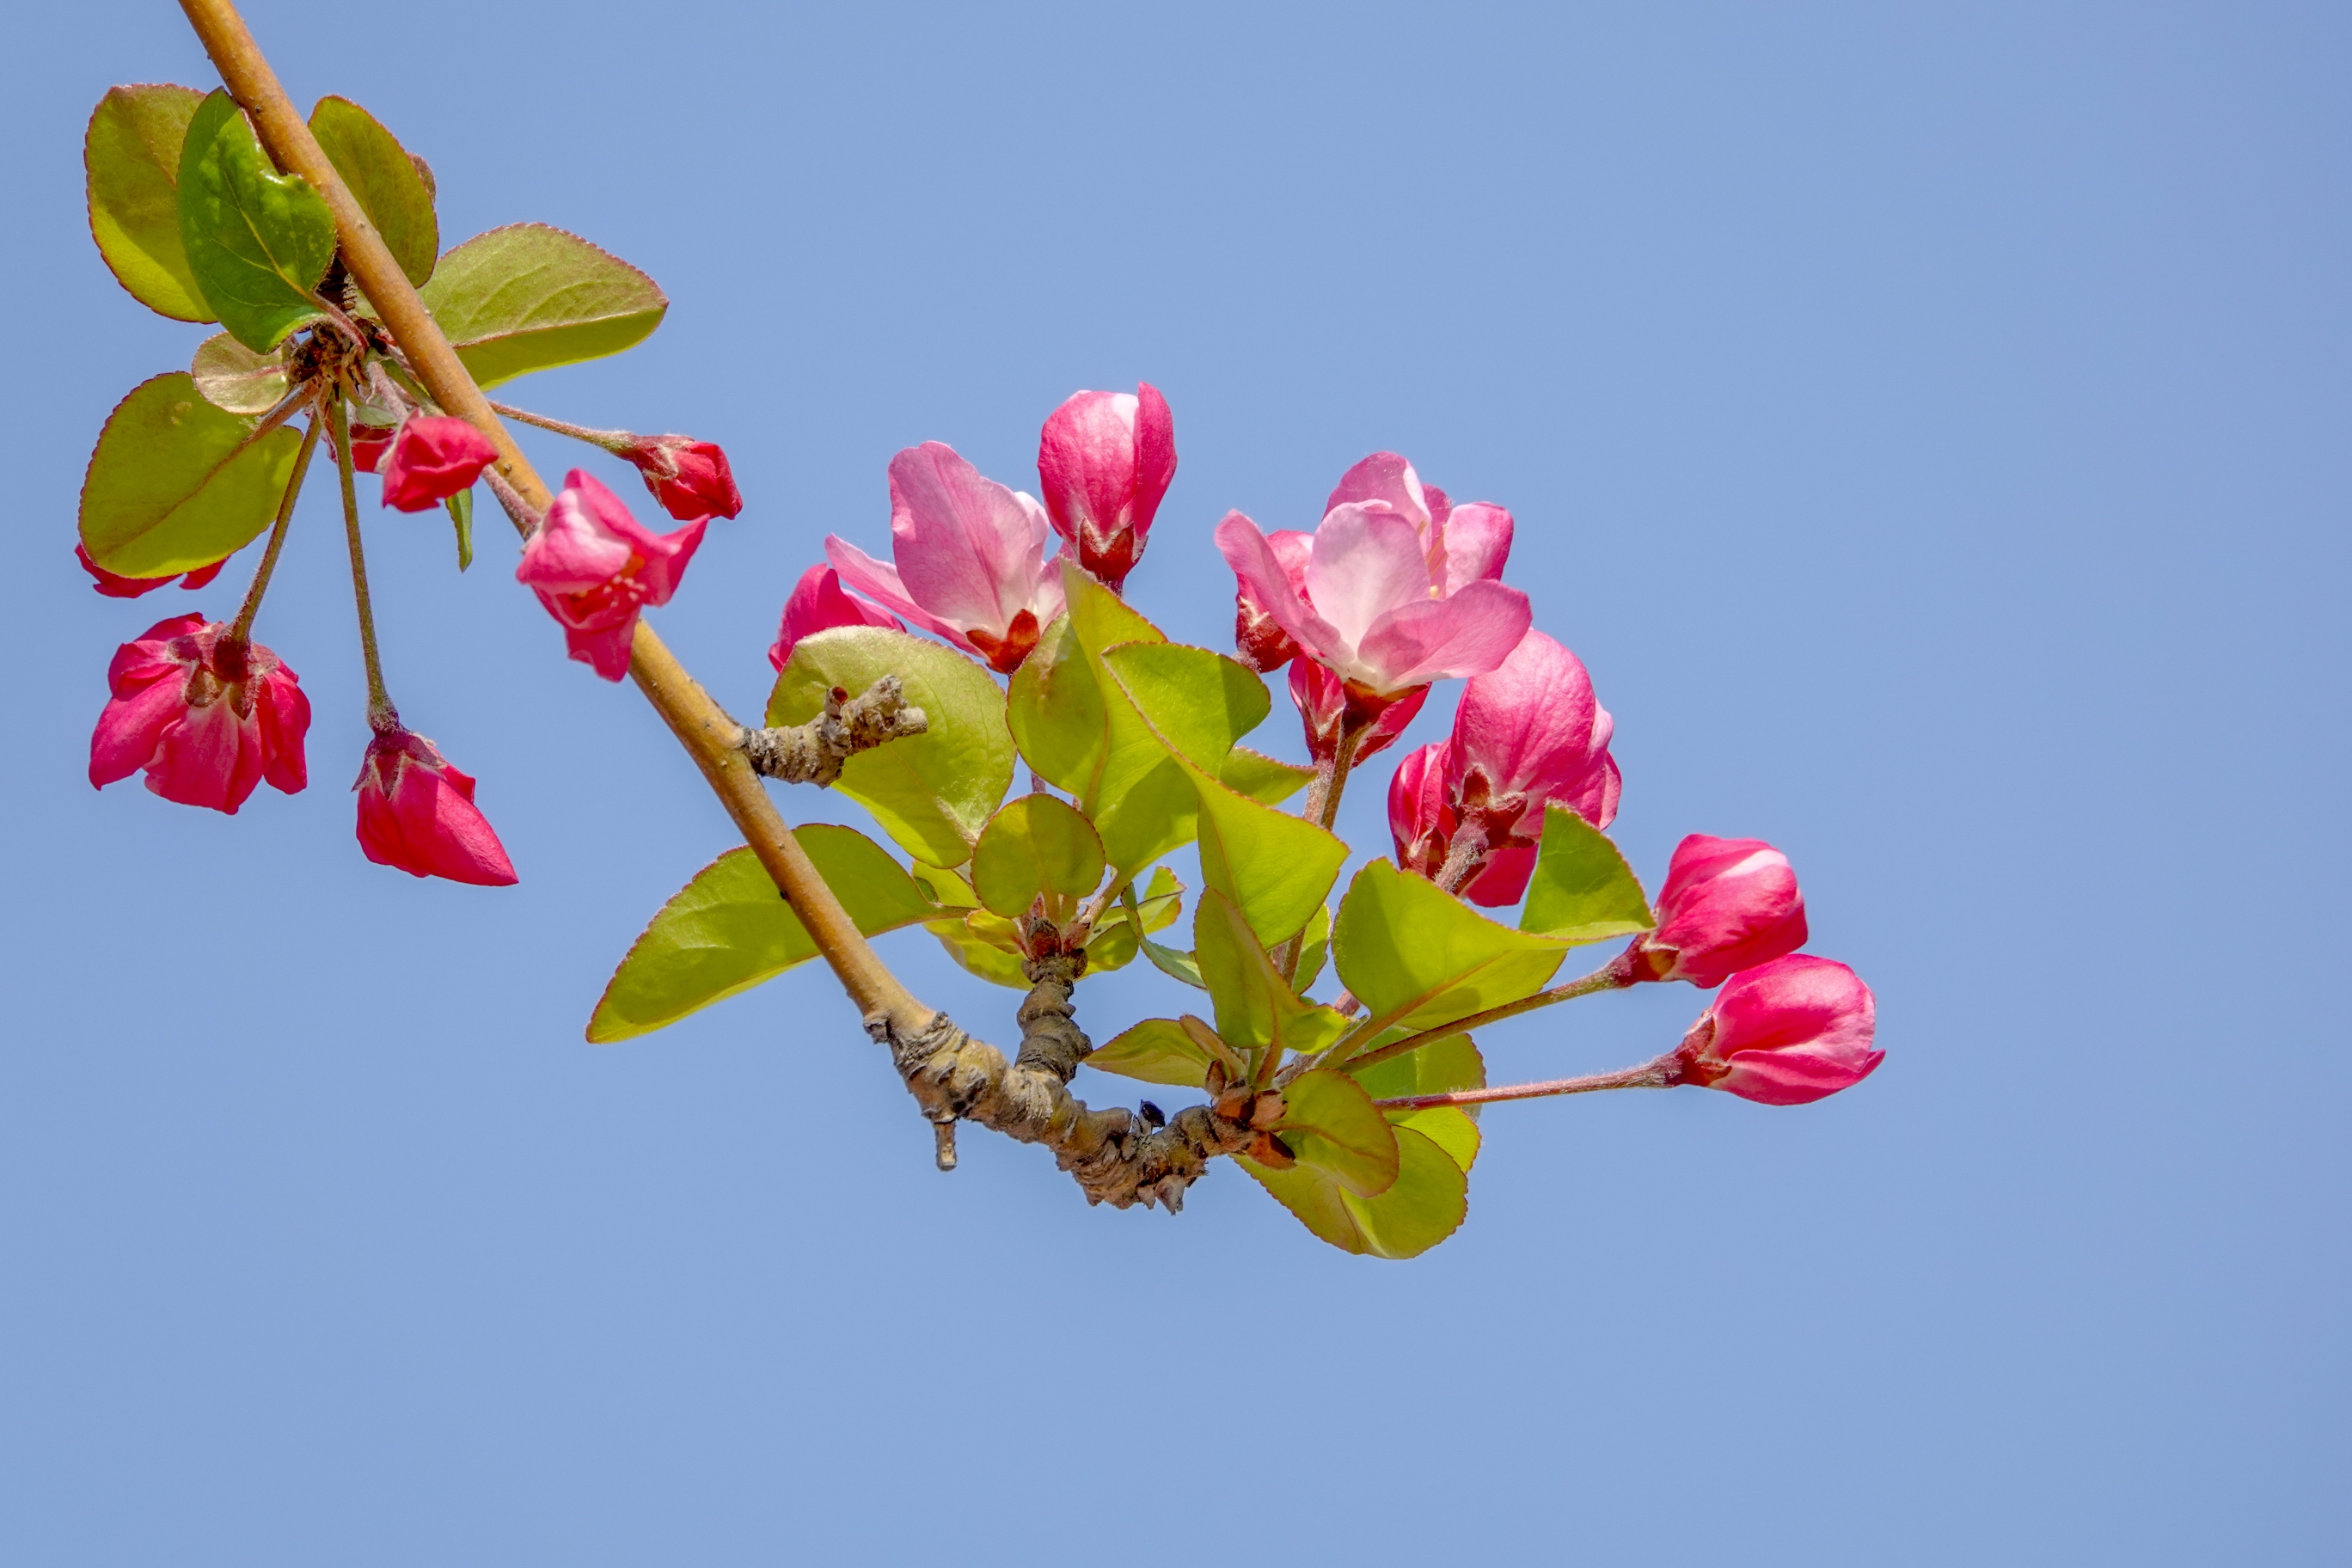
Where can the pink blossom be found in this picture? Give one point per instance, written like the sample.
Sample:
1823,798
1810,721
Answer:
1104,462
1729,904
1462,544
970,555
1792,1031
116,586
595,567
690,479
207,717
1327,706
417,813
1527,734
433,457
1370,611
819,603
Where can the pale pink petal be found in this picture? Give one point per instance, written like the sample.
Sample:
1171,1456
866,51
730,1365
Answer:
968,548
1477,543
881,583
1367,563
1387,477
1467,634
1267,584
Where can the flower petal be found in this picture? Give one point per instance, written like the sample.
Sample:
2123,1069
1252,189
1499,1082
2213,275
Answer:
1468,634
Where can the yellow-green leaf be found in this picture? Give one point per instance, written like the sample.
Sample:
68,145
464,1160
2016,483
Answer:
1416,956
1035,844
1158,1050
728,930
173,483
933,792
257,241
1330,1123
1582,891
1425,1204
131,157
384,180
528,297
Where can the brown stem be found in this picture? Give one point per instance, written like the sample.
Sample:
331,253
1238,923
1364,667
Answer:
242,629
1662,1073
379,701
709,736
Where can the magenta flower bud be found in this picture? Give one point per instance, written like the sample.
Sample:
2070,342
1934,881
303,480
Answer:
369,444
970,556
690,479
208,717
1528,734
116,586
1326,704
1792,1031
595,567
1104,462
417,813
819,603
433,457
1729,904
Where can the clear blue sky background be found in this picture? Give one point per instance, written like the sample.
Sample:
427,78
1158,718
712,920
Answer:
1929,422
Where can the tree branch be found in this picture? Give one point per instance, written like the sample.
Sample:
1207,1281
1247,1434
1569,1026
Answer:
814,753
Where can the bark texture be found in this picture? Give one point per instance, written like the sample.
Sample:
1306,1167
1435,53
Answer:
816,752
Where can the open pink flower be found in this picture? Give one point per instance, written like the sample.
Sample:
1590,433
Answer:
1527,734
208,717
1371,612
1792,1031
116,586
433,457
595,567
819,603
690,479
1729,904
970,555
1104,462
1462,545
418,813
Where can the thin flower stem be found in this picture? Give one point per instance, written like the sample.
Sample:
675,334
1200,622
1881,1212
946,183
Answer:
518,511
1612,976
379,701
1662,1073
610,440
242,629
1322,809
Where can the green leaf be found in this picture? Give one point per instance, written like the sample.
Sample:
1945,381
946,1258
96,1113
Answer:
1314,947
131,157
934,791
236,379
528,297
1276,867
1261,777
1582,891
1425,1204
1256,1010
384,180
982,943
1330,1123
1158,1050
257,240
1078,731
461,517
947,887
728,930
1034,844
172,484
1200,701
1416,956
1119,932
1437,1068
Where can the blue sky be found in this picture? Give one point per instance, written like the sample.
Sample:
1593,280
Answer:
1928,425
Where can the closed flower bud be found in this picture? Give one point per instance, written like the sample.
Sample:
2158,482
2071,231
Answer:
1729,904
820,602
433,457
595,567
1104,462
116,586
1327,704
1795,1030
416,814
690,479
207,717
